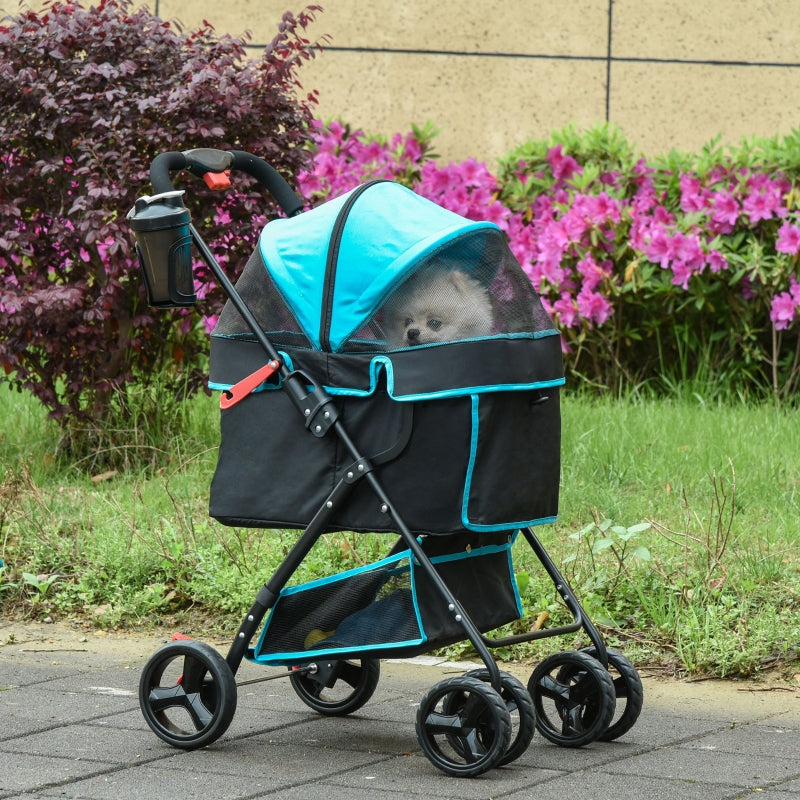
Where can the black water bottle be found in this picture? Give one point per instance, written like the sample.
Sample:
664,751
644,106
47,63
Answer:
164,245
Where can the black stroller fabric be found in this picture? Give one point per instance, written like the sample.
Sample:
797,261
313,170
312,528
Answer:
472,421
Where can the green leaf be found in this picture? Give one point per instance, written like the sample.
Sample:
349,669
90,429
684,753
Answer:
602,544
641,527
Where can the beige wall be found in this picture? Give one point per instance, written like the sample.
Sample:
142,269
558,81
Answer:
492,73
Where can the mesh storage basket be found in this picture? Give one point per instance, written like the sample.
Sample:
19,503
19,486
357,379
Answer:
391,606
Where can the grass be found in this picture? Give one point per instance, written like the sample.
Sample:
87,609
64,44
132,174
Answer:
677,530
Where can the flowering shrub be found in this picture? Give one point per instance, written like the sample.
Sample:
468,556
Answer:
653,271
89,98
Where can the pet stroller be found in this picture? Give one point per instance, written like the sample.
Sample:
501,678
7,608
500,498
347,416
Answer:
329,424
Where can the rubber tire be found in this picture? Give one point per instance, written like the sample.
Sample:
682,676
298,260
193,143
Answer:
582,693
627,687
481,725
516,698
361,675
204,695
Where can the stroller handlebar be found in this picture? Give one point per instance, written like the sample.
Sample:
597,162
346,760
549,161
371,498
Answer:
202,160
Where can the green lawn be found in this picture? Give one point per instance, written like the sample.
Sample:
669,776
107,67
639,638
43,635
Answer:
694,565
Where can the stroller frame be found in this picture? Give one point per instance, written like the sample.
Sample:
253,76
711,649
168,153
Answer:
469,703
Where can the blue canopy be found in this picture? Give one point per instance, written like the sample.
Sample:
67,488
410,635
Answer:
336,264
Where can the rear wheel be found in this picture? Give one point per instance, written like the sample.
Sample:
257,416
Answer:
336,688
574,698
187,694
627,688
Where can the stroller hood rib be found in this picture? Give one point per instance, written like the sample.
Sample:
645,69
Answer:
387,230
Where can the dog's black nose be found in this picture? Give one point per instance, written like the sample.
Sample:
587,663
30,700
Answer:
413,335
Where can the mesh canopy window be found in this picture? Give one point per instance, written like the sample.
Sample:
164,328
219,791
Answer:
471,288
261,296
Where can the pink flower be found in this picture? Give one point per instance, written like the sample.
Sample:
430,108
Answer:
681,274
565,310
412,151
716,261
659,249
763,204
688,249
692,194
788,239
564,167
593,307
783,310
593,274
725,211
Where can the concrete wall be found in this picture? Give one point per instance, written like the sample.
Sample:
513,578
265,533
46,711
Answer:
493,73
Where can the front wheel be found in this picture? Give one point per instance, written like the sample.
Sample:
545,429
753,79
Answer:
463,726
520,708
627,688
187,694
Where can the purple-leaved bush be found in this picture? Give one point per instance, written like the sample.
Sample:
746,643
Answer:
89,96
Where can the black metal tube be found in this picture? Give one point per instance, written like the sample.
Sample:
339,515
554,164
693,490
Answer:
567,595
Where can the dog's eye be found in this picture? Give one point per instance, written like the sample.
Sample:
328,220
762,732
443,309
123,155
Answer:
408,321
434,324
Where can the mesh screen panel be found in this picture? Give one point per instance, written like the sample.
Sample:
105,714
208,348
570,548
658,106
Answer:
359,610
258,291
468,289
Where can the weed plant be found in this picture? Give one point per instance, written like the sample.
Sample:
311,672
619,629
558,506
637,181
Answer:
678,532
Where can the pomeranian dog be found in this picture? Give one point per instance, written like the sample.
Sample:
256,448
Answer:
437,305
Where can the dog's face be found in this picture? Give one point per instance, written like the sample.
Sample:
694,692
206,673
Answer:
438,306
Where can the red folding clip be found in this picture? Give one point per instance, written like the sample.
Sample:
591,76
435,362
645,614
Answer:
217,180
230,397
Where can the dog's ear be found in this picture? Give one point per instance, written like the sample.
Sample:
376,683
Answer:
465,285
460,281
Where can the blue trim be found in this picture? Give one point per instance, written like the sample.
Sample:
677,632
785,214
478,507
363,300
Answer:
385,362
484,550
340,576
415,601
303,656
528,523
248,337
263,386
520,607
